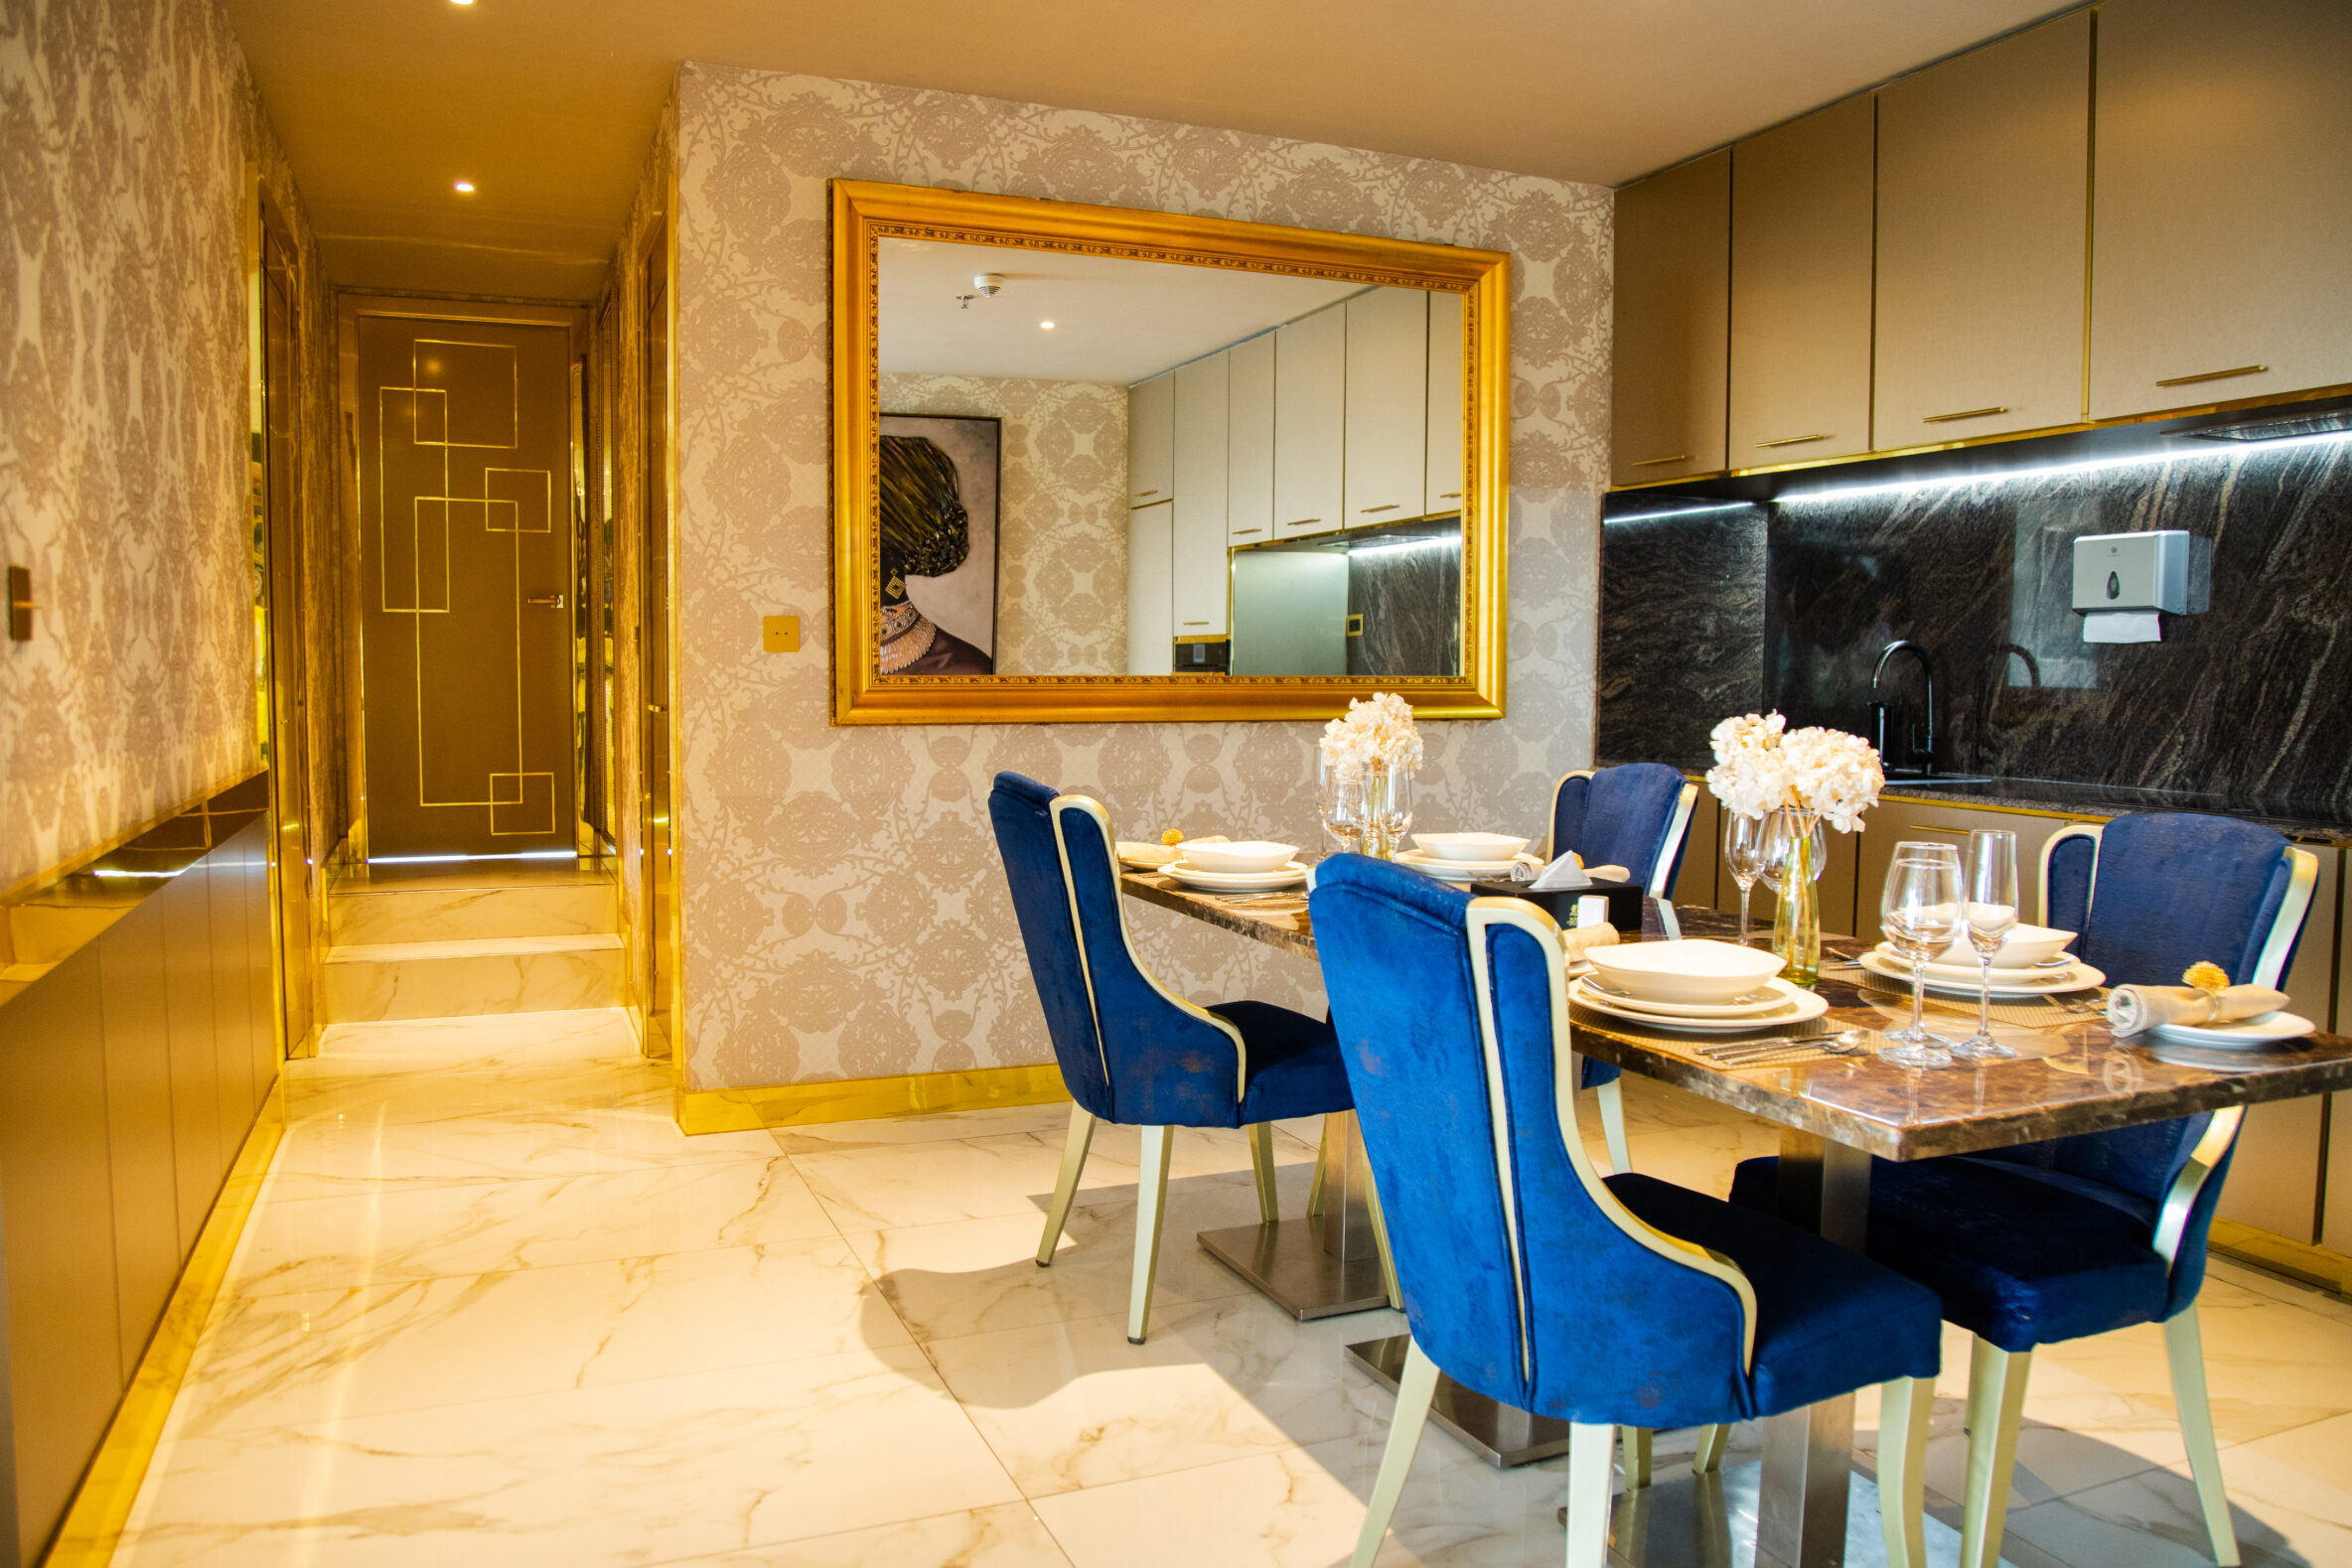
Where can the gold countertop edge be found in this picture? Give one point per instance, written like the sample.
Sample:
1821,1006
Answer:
40,882
101,1505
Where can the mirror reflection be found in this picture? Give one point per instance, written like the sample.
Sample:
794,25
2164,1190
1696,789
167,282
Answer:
1099,466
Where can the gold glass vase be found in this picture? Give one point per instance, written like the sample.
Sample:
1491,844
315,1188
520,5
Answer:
1793,852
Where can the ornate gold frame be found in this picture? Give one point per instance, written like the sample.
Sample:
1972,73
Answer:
863,211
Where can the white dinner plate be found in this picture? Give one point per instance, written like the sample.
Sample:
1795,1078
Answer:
1803,1007
1463,870
2263,1030
1773,994
1237,881
2078,977
1937,969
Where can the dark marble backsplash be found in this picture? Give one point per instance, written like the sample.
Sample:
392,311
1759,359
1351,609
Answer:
1408,591
1790,606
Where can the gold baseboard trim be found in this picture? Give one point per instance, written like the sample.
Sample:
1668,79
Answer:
102,1504
2298,1260
862,1100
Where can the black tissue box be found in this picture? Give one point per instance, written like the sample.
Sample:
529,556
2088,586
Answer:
1625,902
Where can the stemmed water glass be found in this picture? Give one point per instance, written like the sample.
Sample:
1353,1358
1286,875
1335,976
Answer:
1921,915
1991,886
1743,853
1339,803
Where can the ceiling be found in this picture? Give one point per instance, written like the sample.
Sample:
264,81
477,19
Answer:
548,106
1114,320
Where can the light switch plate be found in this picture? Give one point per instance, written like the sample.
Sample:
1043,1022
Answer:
780,633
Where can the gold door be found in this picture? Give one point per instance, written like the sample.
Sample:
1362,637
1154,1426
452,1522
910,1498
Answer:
465,542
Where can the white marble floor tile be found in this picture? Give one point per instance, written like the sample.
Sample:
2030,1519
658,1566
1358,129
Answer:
636,1472
494,1226
337,1156
928,1183
834,1137
483,1042
387,1095
1010,1536
311,1356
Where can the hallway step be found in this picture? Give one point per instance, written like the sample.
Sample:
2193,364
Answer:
367,981
381,902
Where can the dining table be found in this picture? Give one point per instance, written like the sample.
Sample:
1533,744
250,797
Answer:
1838,1107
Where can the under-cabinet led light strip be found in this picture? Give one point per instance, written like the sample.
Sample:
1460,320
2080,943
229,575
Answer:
2058,471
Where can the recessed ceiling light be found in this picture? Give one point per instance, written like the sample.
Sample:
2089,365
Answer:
460,2
1047,324
465,186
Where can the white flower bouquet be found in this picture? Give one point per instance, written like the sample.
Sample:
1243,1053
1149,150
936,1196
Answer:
1763,765
1375,732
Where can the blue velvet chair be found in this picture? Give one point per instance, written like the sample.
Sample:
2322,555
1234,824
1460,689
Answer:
1527,1276
1131,1051
2052,1242
1636,815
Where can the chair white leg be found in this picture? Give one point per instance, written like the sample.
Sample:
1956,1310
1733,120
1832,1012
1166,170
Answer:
1996,1406
1074,1159
1416,1388
1612,1101
1591,1448
1708,1457
1262,1161
1636,1456
1152,1205
2184,1345
1904,1409
1315,1187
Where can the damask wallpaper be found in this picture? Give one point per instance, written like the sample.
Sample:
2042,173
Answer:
845,912
1062,541
124,414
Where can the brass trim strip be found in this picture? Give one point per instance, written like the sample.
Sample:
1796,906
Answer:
862,1100
1645,463
2214,375
1965,413
103,1503
1795,441
2298,1260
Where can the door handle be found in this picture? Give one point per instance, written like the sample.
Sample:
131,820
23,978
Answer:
656,707
545,602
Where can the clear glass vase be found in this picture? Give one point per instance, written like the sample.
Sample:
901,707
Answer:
1388,808
1795,852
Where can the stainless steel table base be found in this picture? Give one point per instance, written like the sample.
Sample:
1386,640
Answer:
1328,1264
1710,1521
1502,1435
1808,1453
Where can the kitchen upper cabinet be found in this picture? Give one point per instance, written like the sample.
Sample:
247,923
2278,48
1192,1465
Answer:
1197,527
1984,165
1672,323
1801,199
2222,203
1443,466
1151,620
1250,441
1151,440
1387,405
1310,422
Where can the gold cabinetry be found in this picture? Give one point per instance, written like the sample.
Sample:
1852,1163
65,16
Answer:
1801,199
1984,164
2222,203
1672,323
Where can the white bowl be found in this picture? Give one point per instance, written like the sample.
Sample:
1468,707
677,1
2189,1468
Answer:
1254,854
1469,846
1692,971
2025,945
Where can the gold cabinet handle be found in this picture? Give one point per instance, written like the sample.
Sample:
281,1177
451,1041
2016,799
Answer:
545,602
1238,533
1455,494
2213,375
1965,413
1139,495
1391,507
1651,463
1303,522
1794,441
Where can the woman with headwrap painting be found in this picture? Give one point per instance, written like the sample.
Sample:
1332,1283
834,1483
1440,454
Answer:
925,533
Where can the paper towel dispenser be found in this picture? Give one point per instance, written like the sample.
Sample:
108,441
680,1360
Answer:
2122,581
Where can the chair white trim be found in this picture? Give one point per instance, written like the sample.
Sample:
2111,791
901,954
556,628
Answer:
2089,830
2302,877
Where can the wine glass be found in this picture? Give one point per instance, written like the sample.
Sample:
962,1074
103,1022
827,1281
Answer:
1339,800
1387,804
1743,853
1921,915
1991,886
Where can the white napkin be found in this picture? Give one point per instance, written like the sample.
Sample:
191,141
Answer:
1578,940
1562,874
2132,1009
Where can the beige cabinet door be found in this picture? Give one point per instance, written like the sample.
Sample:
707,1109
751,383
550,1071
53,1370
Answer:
1896,821
1310,422
1673,353
2335,1217
1250,441
1151,440
1983,171
1387,405
2276,1180
1443,466
1197,527
1151,618
2222,203
1800,197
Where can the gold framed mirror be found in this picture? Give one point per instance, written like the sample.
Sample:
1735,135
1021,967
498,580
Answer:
1098,464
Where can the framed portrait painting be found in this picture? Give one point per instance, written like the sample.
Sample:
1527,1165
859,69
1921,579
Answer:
938,528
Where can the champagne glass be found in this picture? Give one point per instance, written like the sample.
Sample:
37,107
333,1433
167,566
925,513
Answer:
1743,852
1339,803
1920,911
1991,886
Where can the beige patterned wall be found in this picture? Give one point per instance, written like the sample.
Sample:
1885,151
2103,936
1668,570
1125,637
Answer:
844,911
1062,506
124,414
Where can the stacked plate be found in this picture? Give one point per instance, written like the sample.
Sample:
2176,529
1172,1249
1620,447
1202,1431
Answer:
1466,857
2062,974
2247,1034
1252,866
1697,986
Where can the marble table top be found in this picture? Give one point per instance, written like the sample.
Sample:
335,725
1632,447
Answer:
2070,1073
